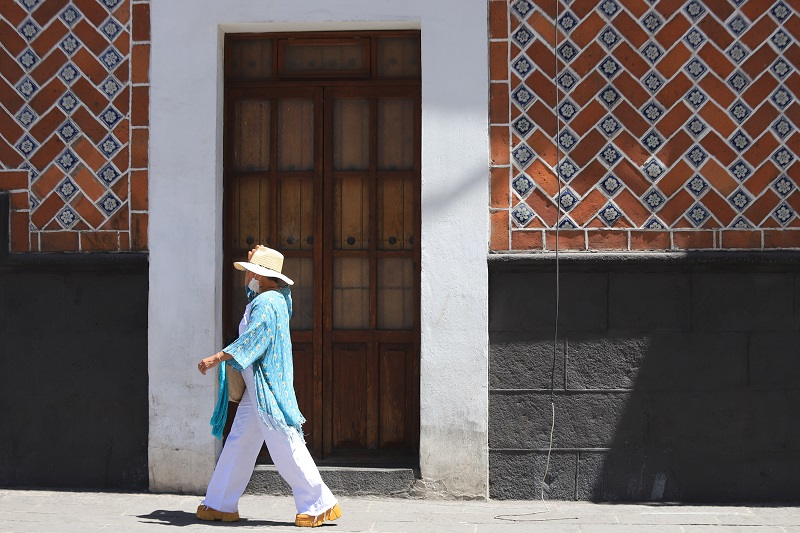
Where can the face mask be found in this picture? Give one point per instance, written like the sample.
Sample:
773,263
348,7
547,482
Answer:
252,289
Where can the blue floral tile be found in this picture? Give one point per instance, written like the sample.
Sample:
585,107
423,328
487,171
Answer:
695,69
782,97
696,127
522,214
739,111
27,87
522,126
67,160
27,59
567,140
26,145
609,8
697,214
567,223
69,73
651,22
740,141
29,29
567,169
654,224
111,58
609,96
110,28
611,185
653,82
780,11
652,141
652,52
568,22
30,5
32,173
67,217
522,156
67,189
738,52
610,155
609,126
653,169
68,131
110,117
521,9
567,51
694,9
522,185
111,4
567,110
652,112
523,36
783,157
654,200
783,186
567,200
697,186
26,117
610,214
70,15
111,86
739,199
741,223
696,156
609,68
109,146
109,203
781,40
738,25
738,81
694,39
781,68
609,38
522,66
567,80
33,202
70,44
109,174
523,97
740,170
696,98
784,213
68,102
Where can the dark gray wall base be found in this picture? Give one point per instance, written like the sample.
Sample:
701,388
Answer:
341,481
673,379
73,343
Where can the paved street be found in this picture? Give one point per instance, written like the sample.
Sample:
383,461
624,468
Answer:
87,512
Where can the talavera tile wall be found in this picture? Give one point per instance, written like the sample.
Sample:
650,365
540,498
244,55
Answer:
668,124
74,88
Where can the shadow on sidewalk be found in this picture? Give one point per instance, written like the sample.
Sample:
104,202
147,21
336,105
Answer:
182,518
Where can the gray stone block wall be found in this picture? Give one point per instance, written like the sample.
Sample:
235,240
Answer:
73,346
674,378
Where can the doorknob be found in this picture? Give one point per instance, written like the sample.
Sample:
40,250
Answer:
290,240
351,241
392,239
249,240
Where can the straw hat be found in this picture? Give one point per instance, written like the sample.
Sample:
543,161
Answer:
265,262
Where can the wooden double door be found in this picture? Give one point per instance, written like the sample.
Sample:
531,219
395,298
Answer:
329,174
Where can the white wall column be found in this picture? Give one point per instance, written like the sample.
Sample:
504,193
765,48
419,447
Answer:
185,226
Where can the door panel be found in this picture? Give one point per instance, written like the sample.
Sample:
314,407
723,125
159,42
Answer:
349,396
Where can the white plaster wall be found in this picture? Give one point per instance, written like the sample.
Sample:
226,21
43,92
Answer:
186,240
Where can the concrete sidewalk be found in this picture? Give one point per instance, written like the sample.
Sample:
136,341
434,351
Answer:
87,512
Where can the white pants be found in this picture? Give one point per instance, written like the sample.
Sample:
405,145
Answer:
288,452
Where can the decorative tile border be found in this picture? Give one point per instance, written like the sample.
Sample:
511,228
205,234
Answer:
645,124
74,81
